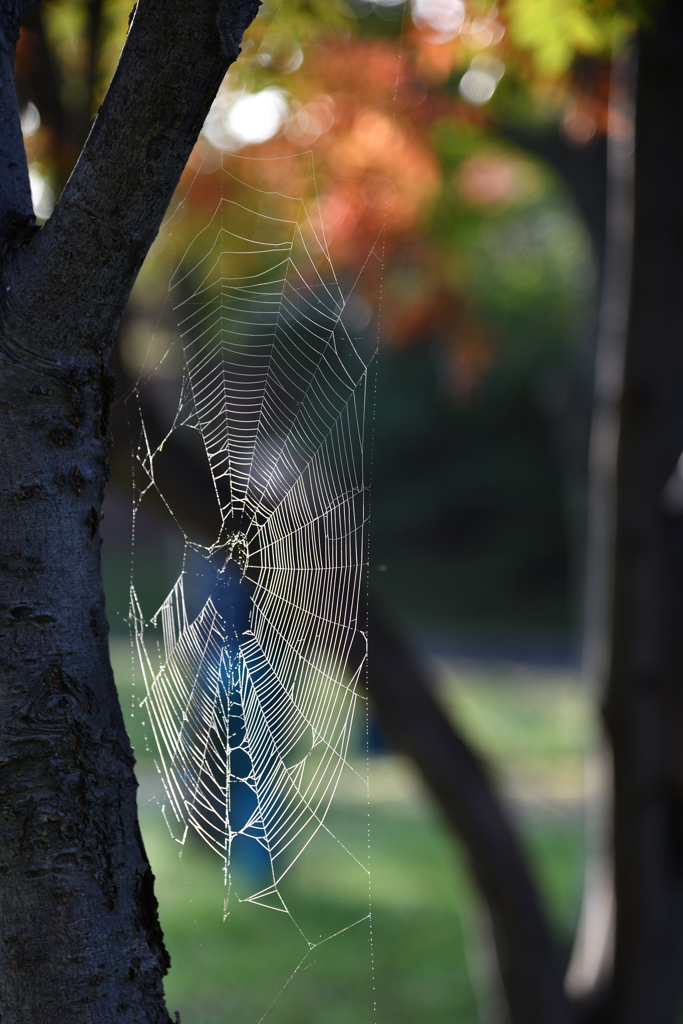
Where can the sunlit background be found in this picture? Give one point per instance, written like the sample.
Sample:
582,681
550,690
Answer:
457,154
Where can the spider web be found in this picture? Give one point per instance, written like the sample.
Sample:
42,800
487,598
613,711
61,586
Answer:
251,698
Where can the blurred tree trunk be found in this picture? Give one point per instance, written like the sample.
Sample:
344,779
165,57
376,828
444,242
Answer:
634,609
591,964
39,79
81,939
527,953
644,699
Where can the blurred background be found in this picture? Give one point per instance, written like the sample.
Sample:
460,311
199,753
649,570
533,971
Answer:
460,155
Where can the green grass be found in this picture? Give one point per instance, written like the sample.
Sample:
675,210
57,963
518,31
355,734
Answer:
428,960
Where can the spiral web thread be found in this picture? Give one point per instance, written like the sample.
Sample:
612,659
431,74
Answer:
276,385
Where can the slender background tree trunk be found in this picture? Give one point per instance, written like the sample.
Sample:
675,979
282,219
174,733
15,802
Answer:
589,972
528,956
644,701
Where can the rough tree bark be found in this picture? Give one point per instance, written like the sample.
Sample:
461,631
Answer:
78,921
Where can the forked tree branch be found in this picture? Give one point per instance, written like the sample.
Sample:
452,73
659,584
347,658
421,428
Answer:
79,269
82,940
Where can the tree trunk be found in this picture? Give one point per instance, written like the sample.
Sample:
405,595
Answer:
590,969
78,918
528,956
644,704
